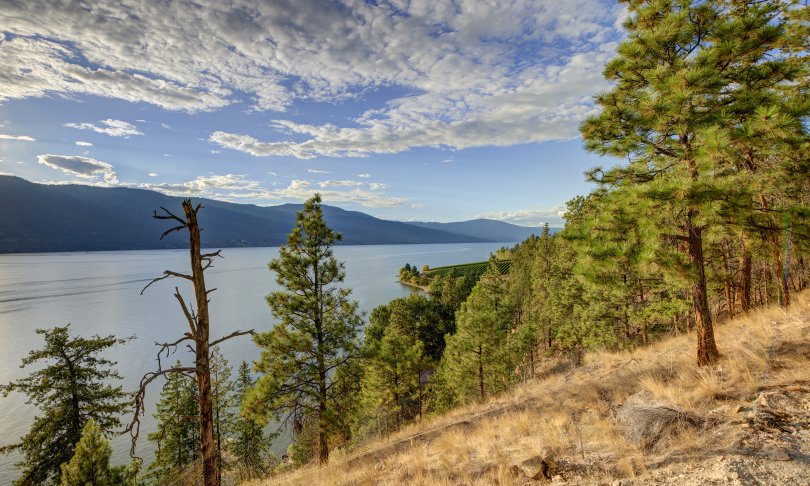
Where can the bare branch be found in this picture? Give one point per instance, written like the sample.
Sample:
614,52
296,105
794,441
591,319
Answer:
217,253
232,335
176,228
168,215
134,427
166,274
192,322
167,347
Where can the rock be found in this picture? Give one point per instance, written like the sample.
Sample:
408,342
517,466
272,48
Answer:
647,423
536,468
775,453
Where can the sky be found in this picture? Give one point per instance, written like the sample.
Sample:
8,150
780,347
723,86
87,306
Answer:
422,110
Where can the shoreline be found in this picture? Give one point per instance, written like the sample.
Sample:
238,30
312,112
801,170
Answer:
409,284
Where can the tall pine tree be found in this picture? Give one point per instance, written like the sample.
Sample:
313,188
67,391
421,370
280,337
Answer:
316,335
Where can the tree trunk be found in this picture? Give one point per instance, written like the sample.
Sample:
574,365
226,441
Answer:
727,285
203,369
323,433
481,371
707,352
745,280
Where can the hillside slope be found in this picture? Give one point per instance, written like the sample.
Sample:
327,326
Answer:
488,229
646,417
41,218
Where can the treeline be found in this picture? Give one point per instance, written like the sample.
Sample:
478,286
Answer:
705,218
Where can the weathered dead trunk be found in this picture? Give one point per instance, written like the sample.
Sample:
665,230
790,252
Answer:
203,369
199,333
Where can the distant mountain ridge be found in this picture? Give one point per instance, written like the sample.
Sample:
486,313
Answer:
49,218
487,229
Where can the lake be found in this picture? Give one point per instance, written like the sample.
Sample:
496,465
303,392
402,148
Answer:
98,293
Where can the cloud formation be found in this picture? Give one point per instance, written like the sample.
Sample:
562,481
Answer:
457,74
81,143
111,127
238,187
529,217
91,170
23,138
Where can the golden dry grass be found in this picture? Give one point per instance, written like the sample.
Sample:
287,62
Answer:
570,415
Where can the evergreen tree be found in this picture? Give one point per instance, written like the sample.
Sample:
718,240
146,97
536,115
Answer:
316,335
418,317
250,445
225,405
392,372
90,464
476,362
178,432
70,388
667,94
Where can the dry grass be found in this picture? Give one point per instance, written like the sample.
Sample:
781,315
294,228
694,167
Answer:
570,416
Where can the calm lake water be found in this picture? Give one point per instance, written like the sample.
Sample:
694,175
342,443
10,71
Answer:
98,293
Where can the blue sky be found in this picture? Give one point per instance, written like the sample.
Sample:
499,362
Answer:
409,110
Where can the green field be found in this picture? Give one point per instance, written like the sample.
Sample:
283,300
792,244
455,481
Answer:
474,270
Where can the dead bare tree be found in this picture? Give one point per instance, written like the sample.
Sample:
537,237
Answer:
196,339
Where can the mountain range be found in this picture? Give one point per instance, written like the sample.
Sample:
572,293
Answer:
48,218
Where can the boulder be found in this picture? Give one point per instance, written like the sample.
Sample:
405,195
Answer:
536,468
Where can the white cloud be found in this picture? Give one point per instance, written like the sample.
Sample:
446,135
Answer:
452,158
529,217
474,73
316,171
340,183
111,127
22,138
234,187
81,143
377,186
418,205
166,126
153,174
364,175
83,167
301,190
224,187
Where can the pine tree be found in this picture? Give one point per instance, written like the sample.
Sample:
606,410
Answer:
250,445
178,432
392,373
90,464
71,387
317,332
476,361
667,94
225,405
